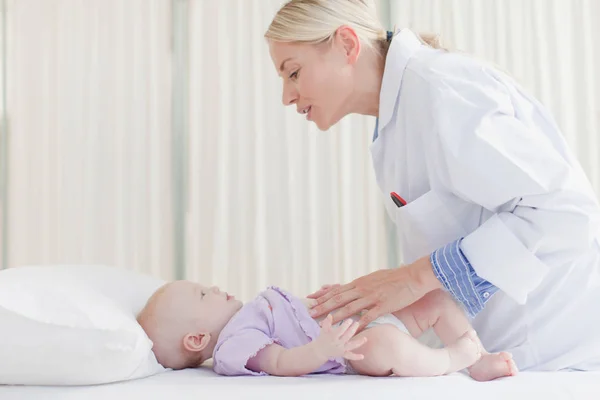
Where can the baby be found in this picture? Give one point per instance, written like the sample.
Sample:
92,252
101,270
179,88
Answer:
275,335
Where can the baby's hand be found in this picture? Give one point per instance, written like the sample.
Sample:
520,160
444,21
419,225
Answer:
335,342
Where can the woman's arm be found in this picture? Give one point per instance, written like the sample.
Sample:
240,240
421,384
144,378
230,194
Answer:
452,268
514,163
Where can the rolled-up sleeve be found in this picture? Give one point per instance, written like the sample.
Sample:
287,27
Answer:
545,213
455,272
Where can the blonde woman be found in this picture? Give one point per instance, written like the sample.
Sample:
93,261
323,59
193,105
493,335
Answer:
492,207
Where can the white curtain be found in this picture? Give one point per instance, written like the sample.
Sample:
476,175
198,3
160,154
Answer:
550,46
3,137
89,111
251,193
157,141
271,200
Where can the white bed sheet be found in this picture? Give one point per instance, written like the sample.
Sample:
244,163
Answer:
204,384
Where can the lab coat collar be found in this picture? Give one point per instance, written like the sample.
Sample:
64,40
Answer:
404,45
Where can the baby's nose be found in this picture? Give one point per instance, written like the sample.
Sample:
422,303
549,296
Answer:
215,289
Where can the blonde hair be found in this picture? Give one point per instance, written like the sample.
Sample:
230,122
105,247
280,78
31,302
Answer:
316,21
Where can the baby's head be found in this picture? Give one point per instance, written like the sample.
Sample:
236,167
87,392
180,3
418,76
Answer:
183,319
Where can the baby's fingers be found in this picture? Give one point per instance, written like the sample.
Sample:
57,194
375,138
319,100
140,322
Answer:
350,332
355,344
326,323
353,356
340,329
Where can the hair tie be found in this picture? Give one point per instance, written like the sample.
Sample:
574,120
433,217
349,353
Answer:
389,35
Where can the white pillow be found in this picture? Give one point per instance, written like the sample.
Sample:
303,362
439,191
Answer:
74,325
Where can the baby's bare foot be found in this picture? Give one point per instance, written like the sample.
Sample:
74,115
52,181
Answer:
493,366
464,352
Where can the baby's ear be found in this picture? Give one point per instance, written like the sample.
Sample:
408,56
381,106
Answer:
196,342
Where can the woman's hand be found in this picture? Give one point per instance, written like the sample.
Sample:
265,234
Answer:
324,290
380,292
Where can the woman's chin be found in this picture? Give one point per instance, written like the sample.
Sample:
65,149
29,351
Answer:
322,128
325,124
322,124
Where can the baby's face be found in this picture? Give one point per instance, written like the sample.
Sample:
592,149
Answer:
210,307
184,319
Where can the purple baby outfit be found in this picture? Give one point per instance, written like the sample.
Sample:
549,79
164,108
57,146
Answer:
274,316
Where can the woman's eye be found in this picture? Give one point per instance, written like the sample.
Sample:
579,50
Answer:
294,75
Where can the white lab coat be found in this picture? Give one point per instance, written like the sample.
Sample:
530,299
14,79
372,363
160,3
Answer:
476,157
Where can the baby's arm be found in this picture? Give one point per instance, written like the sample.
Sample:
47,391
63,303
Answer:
331,343
277,360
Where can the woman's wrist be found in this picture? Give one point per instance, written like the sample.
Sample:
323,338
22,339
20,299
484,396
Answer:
423,276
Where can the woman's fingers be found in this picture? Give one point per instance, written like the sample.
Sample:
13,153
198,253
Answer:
353,308
379,292
334,291
334,302
324,290
370,316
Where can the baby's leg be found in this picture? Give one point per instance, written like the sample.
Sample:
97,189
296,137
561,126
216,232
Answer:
388,351
438,310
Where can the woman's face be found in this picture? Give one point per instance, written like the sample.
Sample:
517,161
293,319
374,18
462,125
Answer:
317,79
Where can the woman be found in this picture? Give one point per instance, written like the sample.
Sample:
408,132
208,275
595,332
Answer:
491,205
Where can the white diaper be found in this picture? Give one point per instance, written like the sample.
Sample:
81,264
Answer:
384,319
388,319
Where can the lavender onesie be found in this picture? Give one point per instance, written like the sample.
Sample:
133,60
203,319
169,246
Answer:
274,316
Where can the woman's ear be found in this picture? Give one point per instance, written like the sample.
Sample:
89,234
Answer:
350,43
196,342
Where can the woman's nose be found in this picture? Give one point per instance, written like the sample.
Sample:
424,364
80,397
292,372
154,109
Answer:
290,96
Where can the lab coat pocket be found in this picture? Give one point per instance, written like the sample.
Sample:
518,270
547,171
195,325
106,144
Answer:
427,223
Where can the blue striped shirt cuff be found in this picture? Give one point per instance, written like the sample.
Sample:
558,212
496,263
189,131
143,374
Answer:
453,270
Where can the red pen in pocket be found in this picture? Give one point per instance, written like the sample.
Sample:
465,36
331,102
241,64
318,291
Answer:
399,201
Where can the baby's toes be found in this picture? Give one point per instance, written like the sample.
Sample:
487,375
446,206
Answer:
512,367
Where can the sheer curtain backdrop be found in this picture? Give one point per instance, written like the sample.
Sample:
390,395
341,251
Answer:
271,199
142,129
3,137
150,135
89,108
550,46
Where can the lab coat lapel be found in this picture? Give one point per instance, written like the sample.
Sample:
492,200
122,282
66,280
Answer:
403,47
388,150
